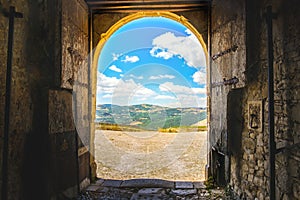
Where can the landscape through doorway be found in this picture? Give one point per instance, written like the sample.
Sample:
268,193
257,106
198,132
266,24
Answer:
150,109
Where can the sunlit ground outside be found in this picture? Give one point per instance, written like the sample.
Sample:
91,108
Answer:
170,156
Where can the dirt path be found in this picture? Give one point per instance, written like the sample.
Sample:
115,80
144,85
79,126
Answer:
169,156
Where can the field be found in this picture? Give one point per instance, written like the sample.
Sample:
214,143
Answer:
151,154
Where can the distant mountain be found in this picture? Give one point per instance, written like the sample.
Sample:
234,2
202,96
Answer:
149,117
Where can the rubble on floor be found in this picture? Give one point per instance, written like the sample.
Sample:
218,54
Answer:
150,189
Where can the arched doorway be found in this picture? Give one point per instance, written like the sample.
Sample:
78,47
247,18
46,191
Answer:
123,86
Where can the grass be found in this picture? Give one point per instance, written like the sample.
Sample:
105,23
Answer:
210,183
117,127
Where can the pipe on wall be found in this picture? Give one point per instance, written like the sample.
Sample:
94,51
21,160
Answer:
272,145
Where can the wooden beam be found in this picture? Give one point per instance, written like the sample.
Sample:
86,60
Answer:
134,5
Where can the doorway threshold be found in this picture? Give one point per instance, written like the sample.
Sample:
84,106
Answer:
135,189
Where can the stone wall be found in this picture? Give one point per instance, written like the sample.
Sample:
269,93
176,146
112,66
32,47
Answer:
228,60
247,147
50,72
287,98
31,74
69,118
254,171
102,22
42,159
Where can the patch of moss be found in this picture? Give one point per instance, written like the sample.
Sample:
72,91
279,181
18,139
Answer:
210,183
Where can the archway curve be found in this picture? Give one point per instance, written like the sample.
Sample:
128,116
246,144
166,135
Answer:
125,20
115,27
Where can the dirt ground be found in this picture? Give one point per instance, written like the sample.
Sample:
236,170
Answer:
169,156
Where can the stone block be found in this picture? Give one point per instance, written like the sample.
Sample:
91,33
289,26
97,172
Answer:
184,192
259,151
184,185
295,113
249,194
296,190
260,195
199,185
149,183
258,181
250,178
148,197
294,170
100,181
151,191
60,112
245,168
259,140
64,151
112,183
74,51
252,135
93,188
260,172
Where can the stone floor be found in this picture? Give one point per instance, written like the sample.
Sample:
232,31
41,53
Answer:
150,189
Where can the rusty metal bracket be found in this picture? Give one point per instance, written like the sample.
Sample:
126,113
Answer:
222,53
232,81
75,53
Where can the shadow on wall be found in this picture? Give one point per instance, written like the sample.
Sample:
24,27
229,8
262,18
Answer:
235,127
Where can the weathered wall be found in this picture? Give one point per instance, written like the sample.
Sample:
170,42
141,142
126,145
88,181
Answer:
227,30
31,76
254,163
102,22
249,169
50,71
69,126
247,147
42,159
287,98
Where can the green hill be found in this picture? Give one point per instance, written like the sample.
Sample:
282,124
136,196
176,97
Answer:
149,117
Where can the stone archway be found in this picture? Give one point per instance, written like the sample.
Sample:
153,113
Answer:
120,23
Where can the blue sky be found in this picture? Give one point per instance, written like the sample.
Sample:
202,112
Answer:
152,60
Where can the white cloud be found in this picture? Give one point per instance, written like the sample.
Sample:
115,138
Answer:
131,59
199,77
107,96
121,91
199,90
185,96
105,81
126,92
164,97
106,85
162,77
161,53
142,99
184,101
116,56
180,89
189,48
115,68
136,77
